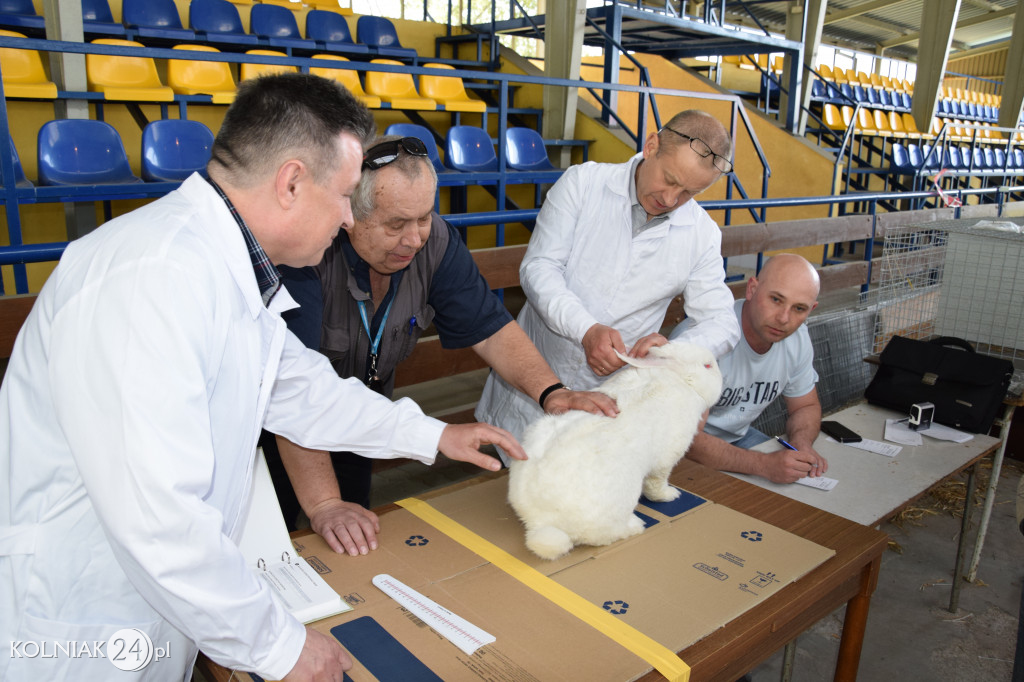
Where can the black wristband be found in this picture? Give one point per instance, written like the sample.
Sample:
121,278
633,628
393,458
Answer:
548,391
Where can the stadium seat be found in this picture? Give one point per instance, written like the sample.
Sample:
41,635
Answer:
21,16
19,174
277,26
397,89
449,91
347,77
826,72
525,151
331,32
379,33
896,125
217,21
173,149
82,152
865,123
418,131
247,71
469,149
910,125
196,77
156,20
125,78
900,162
881,121
834,118
23,73
914,153
97,20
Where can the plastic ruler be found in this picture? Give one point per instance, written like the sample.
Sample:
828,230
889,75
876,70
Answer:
456,630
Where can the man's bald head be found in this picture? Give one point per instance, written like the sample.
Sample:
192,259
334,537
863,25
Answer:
779,299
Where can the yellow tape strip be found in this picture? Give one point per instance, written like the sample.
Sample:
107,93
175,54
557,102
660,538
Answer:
663,659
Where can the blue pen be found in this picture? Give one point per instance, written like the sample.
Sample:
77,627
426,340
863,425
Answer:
784,443
412,324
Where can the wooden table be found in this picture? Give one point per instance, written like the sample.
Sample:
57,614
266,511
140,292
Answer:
847,578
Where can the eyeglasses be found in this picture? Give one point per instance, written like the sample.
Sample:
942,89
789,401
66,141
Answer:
704,151
380,155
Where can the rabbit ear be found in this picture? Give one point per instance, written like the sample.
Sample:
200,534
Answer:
641,362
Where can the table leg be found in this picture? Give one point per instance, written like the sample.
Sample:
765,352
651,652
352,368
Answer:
990,493
954,597
787,661
855,624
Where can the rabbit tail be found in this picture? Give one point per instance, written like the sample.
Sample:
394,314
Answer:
548,542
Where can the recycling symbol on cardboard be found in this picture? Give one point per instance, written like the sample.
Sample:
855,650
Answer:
617,607
751,535
416,541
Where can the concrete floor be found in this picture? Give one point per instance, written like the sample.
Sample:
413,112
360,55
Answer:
910,635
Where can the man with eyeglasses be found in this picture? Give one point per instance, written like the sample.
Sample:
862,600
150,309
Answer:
613,245
390,274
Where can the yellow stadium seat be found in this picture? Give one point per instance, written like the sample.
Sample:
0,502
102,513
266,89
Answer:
125,78
865,123
23,72
833,118
777,62
397,89
840,76
194,77
347,77
896,125
876,81
881,121
247,71
339,6
449,91
826,72
910,125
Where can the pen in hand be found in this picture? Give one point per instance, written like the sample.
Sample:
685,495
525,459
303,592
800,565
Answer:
784,443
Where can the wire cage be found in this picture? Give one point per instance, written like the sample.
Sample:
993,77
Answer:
962,278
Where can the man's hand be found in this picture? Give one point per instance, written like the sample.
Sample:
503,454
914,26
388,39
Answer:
786,466
563,400
345,526
322,660
644,345
462,443
600,343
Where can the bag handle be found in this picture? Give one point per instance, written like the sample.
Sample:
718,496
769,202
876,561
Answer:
953,341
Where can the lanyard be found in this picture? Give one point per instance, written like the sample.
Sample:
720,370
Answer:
373,381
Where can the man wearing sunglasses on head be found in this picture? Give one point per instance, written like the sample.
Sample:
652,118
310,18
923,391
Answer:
388,276
613,245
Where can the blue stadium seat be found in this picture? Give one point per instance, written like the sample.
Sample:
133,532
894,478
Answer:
525,150
82,152
900,159
19,174
990,157
469,149
907,100
980,163
818,92
846,94
418,131
21,15
914,156
97,20
884,99
1018,160
331,33
217,21
1000,160
277,26
380,34
173,149
156,20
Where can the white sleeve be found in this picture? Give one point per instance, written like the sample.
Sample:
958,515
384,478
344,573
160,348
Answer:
543,270
707,300
312,406
132,361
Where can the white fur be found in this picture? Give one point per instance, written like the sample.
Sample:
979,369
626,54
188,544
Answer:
585,472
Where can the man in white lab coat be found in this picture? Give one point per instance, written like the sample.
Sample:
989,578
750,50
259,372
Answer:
138,387
613,245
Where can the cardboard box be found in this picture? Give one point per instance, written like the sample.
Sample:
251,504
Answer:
697,566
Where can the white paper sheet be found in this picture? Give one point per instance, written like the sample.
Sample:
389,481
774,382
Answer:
899,432
877,447
819,482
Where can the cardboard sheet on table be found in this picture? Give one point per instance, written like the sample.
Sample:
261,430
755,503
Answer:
682,578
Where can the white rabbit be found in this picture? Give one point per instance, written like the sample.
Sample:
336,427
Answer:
585,472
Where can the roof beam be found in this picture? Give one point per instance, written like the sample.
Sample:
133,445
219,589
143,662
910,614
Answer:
833,17
909,38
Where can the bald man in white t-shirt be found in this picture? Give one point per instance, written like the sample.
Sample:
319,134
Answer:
773,358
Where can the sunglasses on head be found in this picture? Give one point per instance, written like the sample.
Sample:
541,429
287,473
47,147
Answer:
380,155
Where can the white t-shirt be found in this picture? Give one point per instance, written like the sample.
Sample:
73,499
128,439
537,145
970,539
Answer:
750,381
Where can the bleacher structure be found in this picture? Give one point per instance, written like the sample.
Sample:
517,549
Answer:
492,164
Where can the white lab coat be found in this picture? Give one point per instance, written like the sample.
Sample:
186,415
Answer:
583,267
128,424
